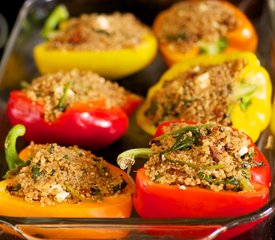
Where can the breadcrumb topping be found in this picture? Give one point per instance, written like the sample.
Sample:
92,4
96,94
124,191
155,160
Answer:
210,156
191,22
55,174
200,94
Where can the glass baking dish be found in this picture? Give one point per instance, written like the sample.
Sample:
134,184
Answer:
18,65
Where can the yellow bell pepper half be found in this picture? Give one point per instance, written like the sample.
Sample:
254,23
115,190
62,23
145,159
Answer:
252,120
112,64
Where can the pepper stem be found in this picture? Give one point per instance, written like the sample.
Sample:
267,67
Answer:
12,157
126,159
59,14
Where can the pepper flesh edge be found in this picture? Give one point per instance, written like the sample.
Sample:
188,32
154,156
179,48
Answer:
113,64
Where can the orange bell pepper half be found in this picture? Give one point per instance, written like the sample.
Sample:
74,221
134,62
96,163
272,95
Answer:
116,206
241,38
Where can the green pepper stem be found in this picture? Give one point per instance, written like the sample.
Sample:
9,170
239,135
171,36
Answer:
126,159
243,89
12,157
242,92
60,13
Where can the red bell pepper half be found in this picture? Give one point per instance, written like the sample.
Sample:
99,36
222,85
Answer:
87,124
157,200
153,199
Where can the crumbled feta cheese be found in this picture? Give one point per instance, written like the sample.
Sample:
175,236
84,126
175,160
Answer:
203,80
56,187
163,158
182,187
203,7
243,150
103,22
58,90
61,196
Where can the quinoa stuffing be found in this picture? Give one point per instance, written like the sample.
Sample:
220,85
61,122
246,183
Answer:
61,90
100,32
210,156
190,23
55,174
200,94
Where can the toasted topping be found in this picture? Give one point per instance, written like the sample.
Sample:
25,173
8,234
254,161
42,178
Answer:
56,174
196,22
200,94
61,90
99,32
211,156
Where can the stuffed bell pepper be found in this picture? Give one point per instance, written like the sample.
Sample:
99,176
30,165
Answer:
113,45
230,89
72,108
191,28
199,170
53,181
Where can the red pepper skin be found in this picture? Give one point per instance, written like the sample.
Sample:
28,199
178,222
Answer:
164,201
260,175
84,124
167,201
132,104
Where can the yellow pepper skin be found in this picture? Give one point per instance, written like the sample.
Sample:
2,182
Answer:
253,120
272,122
112,64
257,116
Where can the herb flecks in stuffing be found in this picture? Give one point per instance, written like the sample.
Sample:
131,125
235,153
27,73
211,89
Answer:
216,157
58,174
200,94
191,23
60,90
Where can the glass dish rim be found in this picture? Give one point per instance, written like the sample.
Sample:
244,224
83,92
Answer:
224,223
